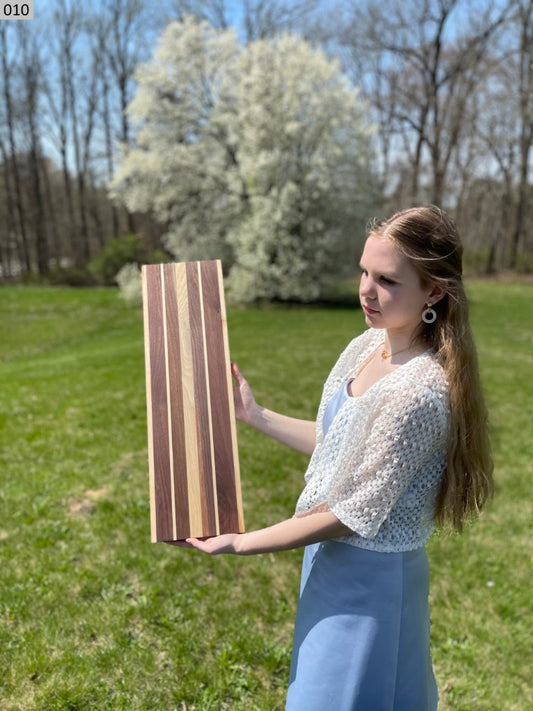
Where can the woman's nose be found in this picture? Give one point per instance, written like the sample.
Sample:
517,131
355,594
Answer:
366,287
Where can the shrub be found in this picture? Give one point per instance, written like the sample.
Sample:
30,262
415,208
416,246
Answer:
129,281
116,253
524,264
71,276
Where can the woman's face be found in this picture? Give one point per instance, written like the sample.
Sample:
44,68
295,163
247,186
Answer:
391,294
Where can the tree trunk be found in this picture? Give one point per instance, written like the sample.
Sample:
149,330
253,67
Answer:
109,146
7,267
49,197
526,126
83,254
24,252
31,65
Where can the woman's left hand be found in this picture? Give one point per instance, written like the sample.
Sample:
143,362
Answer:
226,543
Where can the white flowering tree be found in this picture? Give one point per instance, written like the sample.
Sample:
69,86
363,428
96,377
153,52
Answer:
259,155
179,168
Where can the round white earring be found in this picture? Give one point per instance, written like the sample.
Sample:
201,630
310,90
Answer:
429,315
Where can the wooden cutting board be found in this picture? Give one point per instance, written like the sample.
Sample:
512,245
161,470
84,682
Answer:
192,443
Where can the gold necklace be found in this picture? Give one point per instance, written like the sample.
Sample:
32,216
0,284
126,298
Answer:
385,354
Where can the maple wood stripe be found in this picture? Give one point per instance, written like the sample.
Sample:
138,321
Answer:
149,419
203,420
221,404
188,404
157,412
180,494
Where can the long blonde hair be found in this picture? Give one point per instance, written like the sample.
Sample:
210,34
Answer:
429,239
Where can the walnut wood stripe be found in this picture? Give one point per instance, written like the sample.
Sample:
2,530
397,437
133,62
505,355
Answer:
204,434
235,510
174,395
224,458
192,443
157,409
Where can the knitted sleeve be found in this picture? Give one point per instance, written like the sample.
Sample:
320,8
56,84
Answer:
405,440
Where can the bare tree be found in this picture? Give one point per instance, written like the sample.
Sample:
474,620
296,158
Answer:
265,18
257,19
9,239
419,69
131,27
71,20
100,31
74,102
524,19
31,67
88,95
61,92
7,75
503,128
494,127
216,12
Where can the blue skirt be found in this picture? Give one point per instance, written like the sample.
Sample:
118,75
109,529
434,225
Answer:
361,640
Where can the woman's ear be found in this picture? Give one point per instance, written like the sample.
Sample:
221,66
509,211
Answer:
436,293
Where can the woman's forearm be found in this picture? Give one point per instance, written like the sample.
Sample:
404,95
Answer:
297,434
291,533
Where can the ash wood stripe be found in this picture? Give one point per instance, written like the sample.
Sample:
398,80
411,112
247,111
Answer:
158,439
177,444
203,409
149,418
189,405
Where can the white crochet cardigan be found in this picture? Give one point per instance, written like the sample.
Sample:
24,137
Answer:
380,465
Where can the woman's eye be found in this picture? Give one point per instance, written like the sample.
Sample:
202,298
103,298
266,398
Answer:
388,281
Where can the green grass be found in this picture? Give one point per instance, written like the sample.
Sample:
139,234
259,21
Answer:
94,616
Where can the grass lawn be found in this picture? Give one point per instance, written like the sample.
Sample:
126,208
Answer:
94,616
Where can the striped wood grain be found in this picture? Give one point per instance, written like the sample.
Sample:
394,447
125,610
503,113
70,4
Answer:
192,442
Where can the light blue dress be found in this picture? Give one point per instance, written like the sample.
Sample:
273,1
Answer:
361,640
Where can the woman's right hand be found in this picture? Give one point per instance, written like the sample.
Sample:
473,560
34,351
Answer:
297,434
245,404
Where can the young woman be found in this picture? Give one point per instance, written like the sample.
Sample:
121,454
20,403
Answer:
400,442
